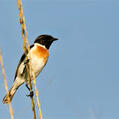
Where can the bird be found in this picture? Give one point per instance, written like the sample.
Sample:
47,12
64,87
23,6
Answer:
38,53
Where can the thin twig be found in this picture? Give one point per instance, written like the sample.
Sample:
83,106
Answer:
26,47
5,84
24,32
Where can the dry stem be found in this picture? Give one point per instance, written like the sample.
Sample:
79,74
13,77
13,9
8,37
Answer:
26,47
24,36
5,84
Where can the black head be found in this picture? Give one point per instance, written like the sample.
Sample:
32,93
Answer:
45,40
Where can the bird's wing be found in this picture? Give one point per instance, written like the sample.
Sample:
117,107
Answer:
21,61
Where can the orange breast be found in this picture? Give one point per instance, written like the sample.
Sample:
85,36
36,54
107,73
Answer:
41,52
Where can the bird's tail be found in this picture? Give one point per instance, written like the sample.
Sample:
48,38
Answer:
8,97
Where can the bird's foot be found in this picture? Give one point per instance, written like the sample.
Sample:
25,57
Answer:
31,94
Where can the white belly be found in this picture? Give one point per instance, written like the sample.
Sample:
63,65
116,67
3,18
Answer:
37,65
37,61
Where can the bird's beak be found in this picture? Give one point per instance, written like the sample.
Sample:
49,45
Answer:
54,39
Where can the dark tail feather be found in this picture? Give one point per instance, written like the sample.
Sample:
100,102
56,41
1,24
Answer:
8,98
17,83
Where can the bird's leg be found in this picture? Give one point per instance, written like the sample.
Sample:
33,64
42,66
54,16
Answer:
31,92
27,87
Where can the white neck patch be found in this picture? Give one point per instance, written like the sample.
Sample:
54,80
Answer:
40,45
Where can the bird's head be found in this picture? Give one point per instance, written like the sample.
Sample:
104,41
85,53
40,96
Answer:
45,40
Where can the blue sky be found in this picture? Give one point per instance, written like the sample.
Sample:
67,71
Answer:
81,78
